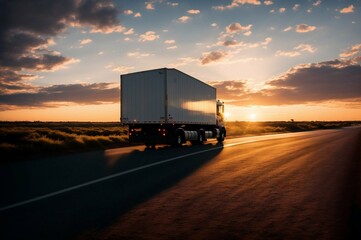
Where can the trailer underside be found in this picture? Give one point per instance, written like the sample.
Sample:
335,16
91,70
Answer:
174,134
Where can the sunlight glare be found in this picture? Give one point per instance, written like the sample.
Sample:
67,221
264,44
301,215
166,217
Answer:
252,117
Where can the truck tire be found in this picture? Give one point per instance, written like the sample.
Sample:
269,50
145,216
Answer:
178,138
200,137
221,136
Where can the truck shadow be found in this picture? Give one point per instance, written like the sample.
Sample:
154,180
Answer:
129,191
82,212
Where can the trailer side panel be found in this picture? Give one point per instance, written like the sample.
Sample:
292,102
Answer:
189,100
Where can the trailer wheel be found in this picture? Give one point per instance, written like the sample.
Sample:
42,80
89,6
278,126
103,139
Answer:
178,139
200,138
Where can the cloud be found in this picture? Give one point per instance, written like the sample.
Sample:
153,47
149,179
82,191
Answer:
148,36
193,11
214,25
349,9
237,3
120,69
58,95
303,28
184,19
149,6
108,30
233,47
296,7
183,62
289,28
172,4
137,15
129,31
237,28
172,47
244,45
296,50
231,89
213,56
267,2
85,41
317,3
266,41
288,53
169,41
27,30
138,54
353,51
128,12
331,81
282,10
305,48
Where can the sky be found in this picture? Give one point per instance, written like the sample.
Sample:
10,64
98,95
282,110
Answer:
270,60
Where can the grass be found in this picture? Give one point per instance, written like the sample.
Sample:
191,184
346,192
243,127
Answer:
18,139
38,139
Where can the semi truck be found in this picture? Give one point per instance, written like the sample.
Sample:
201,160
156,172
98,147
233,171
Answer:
167,106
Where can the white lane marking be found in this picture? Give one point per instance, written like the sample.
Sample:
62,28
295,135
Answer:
255,139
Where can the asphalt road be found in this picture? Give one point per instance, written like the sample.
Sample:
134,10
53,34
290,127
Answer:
287,186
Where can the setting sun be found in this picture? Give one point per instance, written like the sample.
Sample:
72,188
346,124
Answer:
252,117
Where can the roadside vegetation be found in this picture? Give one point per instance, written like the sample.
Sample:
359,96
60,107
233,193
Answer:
36,139
20,140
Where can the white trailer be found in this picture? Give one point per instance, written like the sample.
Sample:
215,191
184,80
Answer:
168,106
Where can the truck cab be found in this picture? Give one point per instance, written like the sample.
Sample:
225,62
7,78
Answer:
220,121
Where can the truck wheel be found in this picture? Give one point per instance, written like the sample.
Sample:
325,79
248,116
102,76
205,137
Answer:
200,138
177,141
221,137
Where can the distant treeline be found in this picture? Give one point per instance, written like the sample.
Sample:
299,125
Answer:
20,140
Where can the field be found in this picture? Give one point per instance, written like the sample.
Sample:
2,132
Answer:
20,140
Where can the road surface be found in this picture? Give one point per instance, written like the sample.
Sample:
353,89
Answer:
286,186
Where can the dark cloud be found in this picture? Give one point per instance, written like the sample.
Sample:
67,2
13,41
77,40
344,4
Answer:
96,93
232,89
27,28
214,56
51,17
97,13
337,81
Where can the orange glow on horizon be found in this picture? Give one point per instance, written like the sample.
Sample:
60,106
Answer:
111,113
83,113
